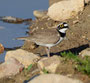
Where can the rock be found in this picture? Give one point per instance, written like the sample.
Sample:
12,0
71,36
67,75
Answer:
14,20
29,45
50,64
1,48
53,78
2,27
75,21
65,9
53,1
10,67
87,1
40,14
85,52
24,57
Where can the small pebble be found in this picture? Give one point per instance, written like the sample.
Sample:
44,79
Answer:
1,48
77,17
83,37
75,22
88,15
85,32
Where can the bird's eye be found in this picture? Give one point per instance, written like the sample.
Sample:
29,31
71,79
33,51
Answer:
61,25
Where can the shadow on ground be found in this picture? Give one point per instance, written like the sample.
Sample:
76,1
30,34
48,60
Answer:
76,50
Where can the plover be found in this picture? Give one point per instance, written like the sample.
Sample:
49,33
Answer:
48,37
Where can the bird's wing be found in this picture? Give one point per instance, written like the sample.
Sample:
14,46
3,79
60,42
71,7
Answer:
45,36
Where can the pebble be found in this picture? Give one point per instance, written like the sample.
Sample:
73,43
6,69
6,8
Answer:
75,22
1,48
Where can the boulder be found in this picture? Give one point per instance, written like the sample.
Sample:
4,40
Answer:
65,9
85,52
40,13
10,67
49,63
53,1
24,57
87,1
53,78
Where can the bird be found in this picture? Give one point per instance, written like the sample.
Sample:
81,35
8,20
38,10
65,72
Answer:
48,37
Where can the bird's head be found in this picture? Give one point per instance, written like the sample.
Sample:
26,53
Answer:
62,27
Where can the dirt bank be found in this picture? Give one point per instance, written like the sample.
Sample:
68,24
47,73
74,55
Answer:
78,37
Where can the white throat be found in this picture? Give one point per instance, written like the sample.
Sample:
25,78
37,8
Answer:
63,30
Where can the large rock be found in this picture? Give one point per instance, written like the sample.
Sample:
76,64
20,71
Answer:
85,52
25,57
40,13
53,1
53,78
50,64
10,67
87,1
65,9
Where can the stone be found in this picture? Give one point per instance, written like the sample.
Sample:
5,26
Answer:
40,13
85,52
1,48
65,9
2,27
14,20
53,1
49,63
75,21
10,67
54,78
87,1
29,45
24,57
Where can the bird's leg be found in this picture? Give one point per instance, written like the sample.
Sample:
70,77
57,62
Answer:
48,51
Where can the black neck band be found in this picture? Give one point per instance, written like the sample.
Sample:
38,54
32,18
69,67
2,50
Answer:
62,34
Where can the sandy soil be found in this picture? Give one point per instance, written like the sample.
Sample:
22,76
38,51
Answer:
78,37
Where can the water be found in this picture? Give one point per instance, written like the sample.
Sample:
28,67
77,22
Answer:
21,9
